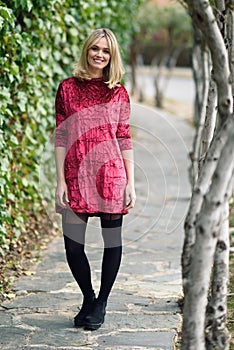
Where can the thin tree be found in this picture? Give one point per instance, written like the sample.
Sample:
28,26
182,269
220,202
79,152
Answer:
164,32
206,245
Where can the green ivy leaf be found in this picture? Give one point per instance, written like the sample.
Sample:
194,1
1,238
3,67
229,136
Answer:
14,140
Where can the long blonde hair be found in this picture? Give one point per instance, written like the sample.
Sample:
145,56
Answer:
114,71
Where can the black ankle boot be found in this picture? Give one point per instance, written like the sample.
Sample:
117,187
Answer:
86,308
95,319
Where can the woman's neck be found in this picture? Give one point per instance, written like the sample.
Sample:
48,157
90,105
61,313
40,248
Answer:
96,74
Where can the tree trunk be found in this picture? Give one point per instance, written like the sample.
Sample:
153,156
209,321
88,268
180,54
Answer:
174,55
206,240
132,61
158,67
198,46
220,14
204,67
198,194
230,41
159,87
158,93
207,230
217,336
203,17
210,121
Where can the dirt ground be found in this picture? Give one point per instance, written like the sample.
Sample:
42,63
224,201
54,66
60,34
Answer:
180,109
177,108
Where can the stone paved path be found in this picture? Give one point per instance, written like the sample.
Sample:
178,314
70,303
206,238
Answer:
142,311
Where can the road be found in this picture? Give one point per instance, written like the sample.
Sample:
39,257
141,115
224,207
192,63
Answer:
179,86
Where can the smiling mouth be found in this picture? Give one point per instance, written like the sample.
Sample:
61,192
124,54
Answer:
98,60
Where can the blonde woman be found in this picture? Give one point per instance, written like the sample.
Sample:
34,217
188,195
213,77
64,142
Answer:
94,162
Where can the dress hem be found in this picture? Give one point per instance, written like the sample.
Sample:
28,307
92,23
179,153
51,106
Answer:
98,213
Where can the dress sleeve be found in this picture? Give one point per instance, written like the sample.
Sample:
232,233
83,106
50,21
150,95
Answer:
123,130
61,129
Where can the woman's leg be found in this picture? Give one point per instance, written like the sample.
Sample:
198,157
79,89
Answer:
111,233
74,227
112,237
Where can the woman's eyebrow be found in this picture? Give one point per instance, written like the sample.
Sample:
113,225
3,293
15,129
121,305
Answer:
104,48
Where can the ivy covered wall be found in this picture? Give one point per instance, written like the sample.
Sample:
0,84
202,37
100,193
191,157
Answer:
40,41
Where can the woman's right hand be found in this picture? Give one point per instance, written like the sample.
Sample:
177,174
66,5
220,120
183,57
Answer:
61,195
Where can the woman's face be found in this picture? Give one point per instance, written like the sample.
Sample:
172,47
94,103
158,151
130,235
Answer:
98,57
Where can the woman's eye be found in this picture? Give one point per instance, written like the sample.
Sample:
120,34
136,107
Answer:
106,51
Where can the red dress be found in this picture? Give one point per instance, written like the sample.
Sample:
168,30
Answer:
92,123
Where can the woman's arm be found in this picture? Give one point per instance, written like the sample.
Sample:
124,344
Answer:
125,144
61,195
61,189
130,194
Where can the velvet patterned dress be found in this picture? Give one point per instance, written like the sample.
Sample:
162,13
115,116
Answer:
92,123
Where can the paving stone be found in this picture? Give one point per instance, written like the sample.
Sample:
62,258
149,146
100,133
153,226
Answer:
51,322
5,319
9,347
162,340
44,300
61,337
139,320
38,283
132,348
122,301
46,347
153,289
13,337
165,278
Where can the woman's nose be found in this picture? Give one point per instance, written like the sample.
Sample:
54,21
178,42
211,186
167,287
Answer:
99,53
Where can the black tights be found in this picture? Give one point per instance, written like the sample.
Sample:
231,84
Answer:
74,227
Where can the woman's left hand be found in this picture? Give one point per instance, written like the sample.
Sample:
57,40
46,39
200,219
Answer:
130,196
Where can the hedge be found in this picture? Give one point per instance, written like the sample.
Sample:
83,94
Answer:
40,41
